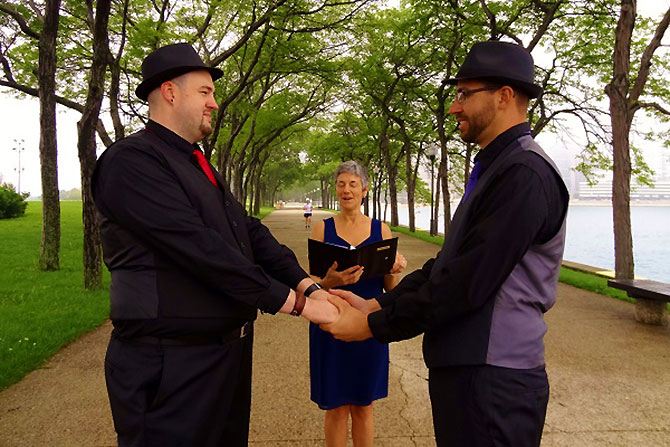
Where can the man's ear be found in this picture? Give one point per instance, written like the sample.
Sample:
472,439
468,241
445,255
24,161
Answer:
507,96
168,91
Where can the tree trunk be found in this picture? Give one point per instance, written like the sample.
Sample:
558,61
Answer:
391,169
252,195
376,207
258,185
621,116
115,78
50,244
114,93
238,183
443,170
436,207
324,196
386,204
466,166
86,145
410,184
249,188
446,195
257,195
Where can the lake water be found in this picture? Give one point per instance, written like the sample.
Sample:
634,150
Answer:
590,238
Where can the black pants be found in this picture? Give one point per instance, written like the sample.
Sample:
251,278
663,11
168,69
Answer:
180,395
488,406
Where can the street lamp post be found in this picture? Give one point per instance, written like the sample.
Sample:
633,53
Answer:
19,148
432,153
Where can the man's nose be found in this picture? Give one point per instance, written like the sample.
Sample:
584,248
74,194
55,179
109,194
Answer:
455,107
212,104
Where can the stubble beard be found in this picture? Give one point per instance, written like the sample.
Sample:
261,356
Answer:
477,124
206,127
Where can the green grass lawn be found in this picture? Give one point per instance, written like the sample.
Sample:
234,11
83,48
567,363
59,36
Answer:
265,210
42,311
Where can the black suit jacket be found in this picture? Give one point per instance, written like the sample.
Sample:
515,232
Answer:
178,247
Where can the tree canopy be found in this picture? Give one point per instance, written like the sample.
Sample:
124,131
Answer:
310,83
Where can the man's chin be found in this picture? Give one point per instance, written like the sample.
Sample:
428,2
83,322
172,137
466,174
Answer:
467,137
206,129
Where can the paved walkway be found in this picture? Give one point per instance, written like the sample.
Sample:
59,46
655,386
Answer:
610,378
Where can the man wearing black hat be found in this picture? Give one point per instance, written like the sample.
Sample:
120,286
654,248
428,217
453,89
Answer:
189,271
480,302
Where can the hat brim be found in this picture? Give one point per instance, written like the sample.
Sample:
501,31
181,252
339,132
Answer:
531,90
148,85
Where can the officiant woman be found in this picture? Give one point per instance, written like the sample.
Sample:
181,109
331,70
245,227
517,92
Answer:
346,378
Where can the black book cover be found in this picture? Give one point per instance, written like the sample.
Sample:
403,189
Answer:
376,258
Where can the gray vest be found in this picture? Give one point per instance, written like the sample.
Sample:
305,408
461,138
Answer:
508,330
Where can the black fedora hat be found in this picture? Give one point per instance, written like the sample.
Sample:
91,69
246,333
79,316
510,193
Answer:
503,62
167,63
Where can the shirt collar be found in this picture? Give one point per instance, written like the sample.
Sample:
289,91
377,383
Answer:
171,138
487,155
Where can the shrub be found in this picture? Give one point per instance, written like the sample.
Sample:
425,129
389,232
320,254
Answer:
12,204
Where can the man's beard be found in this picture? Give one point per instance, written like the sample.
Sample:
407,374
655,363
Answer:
205,127
477,123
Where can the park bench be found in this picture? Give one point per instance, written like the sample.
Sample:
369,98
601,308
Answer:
651,298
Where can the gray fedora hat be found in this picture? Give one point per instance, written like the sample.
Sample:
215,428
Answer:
503,62
167,63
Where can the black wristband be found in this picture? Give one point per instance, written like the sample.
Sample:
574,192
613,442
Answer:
314,287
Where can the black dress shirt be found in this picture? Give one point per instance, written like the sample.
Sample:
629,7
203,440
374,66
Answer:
154,231
525,205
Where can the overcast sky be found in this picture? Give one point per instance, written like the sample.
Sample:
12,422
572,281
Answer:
19,127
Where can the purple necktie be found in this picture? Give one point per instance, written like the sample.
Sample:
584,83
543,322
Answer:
472,180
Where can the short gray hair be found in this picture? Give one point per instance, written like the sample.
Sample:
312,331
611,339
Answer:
352,167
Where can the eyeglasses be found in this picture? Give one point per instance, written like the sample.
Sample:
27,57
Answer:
462,94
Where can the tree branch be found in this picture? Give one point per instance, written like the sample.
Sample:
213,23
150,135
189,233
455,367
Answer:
549,15
645,62
205,24
20,20
247,35
492,19
6,67
652,105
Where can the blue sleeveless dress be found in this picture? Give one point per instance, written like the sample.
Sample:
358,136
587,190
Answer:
354,373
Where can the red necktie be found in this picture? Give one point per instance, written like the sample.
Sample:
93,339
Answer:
204,165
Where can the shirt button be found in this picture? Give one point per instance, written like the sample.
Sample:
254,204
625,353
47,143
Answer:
227,202
242,245
235,224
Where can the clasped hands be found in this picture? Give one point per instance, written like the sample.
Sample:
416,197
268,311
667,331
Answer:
345,314
342,313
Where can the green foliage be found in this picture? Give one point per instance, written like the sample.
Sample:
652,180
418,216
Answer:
12,204
42,311
352,80
640,170
591,160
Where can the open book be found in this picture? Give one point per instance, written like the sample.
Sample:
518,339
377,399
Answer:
376,258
